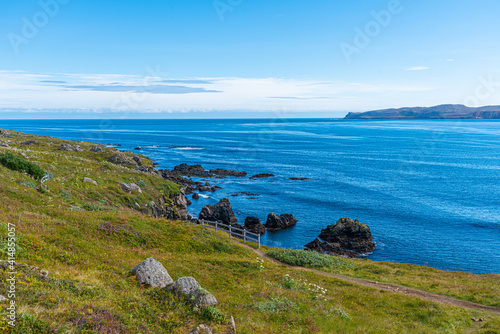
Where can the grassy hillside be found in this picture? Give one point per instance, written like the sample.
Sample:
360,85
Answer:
88,289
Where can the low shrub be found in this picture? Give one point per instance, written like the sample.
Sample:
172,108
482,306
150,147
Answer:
278,305
212,313
302,258
18,164
30,184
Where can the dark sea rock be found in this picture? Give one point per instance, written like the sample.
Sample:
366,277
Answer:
262,176
351,235
325,247
226,172
190,170
254,225
222,212
196,196
280,222
300,179
244,193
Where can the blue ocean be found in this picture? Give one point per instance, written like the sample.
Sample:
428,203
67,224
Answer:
428,189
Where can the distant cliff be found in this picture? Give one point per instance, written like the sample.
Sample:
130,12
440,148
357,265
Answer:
445,111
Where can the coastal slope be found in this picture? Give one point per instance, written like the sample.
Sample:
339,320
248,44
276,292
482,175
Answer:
444,111
77,242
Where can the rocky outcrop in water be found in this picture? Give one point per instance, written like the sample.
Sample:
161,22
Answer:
346,238
262,176
221,212
199,171
253,224
220,172
280,222
350,234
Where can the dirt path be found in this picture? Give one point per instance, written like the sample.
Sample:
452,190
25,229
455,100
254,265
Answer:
435,297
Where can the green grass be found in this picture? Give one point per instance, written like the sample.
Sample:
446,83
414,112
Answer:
304,258
88,289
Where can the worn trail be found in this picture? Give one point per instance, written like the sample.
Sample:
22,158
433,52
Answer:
435,297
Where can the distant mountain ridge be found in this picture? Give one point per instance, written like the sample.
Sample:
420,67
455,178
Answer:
444,111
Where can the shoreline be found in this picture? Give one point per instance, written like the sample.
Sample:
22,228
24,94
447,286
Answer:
381,261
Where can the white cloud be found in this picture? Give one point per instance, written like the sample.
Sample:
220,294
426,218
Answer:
418,68
155,93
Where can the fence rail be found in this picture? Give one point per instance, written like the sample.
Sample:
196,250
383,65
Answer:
42,182
233,231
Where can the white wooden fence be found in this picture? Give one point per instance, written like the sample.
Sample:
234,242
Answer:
233,231
42,182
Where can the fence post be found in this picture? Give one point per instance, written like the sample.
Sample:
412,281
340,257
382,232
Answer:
259,240
216,222
244,235
230,230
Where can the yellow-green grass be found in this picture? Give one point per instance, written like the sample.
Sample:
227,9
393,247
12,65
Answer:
88,287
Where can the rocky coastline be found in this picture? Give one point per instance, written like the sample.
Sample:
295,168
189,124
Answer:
345,238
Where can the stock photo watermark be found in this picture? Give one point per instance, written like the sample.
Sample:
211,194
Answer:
487,87
11,308
31,26
372,29
224,6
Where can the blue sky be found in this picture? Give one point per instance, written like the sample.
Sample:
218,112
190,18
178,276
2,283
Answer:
240,56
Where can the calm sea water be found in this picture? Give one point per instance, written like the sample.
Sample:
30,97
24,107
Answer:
429,190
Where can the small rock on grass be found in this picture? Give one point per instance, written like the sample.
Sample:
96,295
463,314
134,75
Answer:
190,288
201,329
89,180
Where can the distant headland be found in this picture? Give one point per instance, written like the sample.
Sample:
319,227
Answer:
444,111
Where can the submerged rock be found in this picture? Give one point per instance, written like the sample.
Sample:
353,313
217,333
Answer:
152,273
280,222
254,225
262,176
222,212
227,172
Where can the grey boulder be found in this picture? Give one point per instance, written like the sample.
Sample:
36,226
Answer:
130,187
152,273
89,180
191,289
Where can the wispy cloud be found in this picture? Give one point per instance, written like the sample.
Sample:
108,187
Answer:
64,91
152,89
418,68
